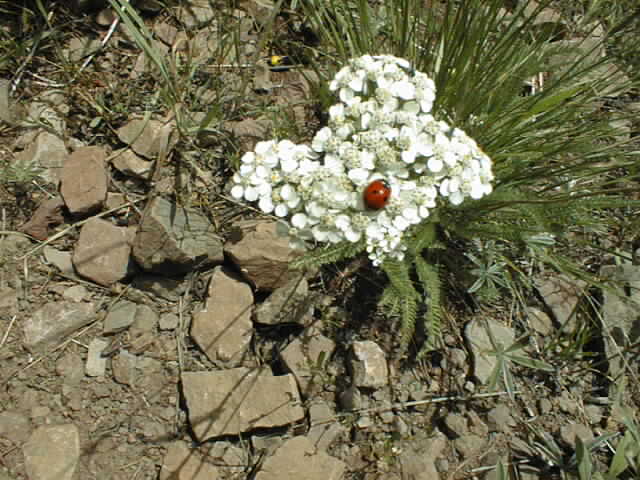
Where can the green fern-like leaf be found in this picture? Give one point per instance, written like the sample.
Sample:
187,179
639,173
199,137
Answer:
399,277
329,254
430,279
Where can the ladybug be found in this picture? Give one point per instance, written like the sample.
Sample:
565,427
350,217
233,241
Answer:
377,194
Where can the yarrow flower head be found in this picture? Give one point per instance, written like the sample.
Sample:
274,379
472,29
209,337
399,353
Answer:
380,129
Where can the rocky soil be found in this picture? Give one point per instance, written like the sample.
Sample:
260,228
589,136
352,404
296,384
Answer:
151,328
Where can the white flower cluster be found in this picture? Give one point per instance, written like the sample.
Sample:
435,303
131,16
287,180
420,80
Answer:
381,129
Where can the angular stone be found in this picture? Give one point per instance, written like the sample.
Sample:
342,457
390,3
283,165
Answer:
173,240
146,136
562,295
103,251
306,357
123,366
298,458
324,428
52,452
196,13
223,329
539,321
61,260
128,163
96,363
368,365
120,317
14,426
481,345
47,215
163,287
621,321
229,402
71,367
83,180
76,293
48,152
287,304
262,253
169,321
184,463
54,321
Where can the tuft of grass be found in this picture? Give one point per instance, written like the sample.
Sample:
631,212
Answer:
561,161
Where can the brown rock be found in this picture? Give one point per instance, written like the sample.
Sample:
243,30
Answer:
127,162
287,304
223,329
262,253
183,463
368,365
145,137
298,458
102,253
83,180
228,402
52,452
54,321
47,215
173,239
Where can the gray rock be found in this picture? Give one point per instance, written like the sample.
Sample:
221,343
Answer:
562,295
481,344
123,367
621,322
544,405
197,13
229,402
368,365
166,32
500,419
14,426
539,321
469,445
54,321
457,424
102,253
568,433
289,303
184,463
48,152
418,463
96,363
76,293
303,355
324,427
163,287
80,47
128,163
52,452
71,367
223,328
10,112
298,458
83,181
169,321
173,240
9,300
146,137
351,399
43,112
262,253
120,317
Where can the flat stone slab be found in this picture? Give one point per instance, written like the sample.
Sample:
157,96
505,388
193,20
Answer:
299,458
223,328
54,321
83,180
52,452
229,402
103,251
173,239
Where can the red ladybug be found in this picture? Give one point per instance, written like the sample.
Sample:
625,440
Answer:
377,194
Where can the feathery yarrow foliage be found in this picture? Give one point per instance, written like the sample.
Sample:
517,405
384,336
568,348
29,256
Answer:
380,129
